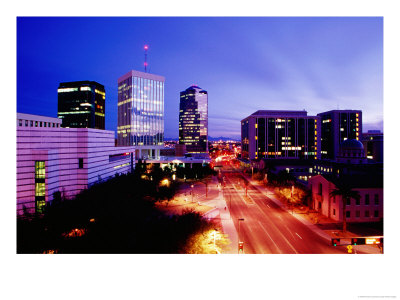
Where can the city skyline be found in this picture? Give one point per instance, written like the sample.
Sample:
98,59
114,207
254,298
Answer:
315,64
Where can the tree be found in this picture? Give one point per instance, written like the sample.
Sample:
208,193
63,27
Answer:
347,193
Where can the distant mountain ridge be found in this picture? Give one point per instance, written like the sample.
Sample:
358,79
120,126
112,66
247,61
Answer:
210,138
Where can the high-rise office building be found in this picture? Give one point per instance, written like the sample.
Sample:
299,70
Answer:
193,119
280,134
336,127
81,104
141,113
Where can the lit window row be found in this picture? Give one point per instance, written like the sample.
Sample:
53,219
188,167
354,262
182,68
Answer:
74,112
67,90
100,92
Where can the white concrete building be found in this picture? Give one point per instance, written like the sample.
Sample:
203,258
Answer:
68,160
369,208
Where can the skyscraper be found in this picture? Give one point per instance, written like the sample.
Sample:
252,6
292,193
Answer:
141,113
81,104
336,127
193,119
280,134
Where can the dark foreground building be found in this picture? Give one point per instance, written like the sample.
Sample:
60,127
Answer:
81,104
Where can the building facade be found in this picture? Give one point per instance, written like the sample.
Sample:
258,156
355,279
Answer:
273,134
369,208
336,127
193,119
373,145
67,160
81,104
141,113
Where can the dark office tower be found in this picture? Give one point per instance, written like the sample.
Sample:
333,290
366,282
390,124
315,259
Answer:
373,145
81,104
193,120
336,127
274,134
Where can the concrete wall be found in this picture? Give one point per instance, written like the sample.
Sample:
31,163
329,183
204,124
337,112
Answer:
61,149
332,207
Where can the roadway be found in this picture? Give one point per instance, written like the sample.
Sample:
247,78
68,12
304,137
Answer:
267,228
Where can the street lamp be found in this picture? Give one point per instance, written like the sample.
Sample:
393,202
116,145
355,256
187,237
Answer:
239,219
192,191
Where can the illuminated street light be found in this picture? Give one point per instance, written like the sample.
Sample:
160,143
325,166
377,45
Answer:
239,242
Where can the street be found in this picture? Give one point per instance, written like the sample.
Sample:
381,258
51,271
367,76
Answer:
267,228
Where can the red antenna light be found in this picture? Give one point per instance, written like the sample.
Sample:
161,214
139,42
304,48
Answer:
146,47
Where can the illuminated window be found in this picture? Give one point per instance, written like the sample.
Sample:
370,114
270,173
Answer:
40,171
40,186
40,189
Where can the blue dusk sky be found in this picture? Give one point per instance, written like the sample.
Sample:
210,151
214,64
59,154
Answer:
245,63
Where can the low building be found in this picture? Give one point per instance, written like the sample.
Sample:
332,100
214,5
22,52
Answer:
351,151
369,208
373,145
67,160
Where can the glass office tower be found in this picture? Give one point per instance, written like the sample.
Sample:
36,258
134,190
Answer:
280,134
193,119
141,113
336,127
81,104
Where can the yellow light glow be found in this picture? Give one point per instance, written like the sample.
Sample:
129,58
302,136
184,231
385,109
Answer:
372,241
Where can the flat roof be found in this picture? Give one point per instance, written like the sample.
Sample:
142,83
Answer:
29,117
279,114
134,73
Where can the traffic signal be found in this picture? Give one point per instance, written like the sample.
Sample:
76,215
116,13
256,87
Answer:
358,241
240,247
335,242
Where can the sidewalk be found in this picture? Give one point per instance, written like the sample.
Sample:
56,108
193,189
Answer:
214,199
324,226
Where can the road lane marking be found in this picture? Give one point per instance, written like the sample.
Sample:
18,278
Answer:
270,237
298,235
287,228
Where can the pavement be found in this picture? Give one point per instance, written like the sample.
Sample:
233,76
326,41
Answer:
316,228
216,199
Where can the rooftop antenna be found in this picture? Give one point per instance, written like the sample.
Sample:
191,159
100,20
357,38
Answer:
146,47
